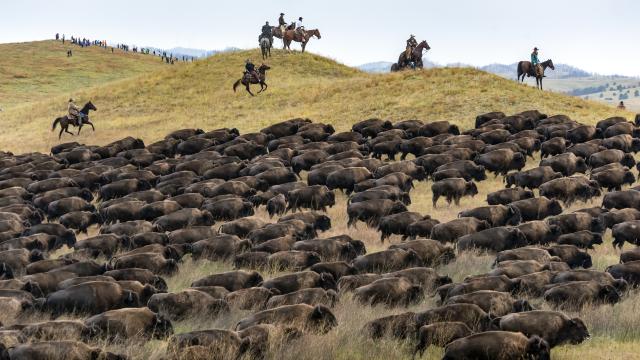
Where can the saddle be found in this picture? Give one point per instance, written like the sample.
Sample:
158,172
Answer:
250,77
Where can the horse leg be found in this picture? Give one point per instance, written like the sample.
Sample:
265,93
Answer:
249,90
60,134
79,129
67,131
92,127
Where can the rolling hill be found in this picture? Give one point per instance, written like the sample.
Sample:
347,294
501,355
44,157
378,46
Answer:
34,71
162,98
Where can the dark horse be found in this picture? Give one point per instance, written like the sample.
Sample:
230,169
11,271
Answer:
525,69
248,79
65,121
303,39
416,57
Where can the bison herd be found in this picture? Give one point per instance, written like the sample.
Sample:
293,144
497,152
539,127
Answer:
197,193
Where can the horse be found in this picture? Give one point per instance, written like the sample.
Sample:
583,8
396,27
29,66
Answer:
525,69
293,35
416,57
265,46
247,79
65,121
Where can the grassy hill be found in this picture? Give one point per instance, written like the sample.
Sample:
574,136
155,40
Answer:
301,85
37,70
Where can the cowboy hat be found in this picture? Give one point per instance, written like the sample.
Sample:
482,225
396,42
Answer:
535,49
71,100
300,18
413,35
281,13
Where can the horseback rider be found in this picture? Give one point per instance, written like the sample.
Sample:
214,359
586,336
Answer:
300,27
411,45
536,68
250,69
281,23
266,32
74,112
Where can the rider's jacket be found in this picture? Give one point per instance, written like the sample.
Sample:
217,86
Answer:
266,30
411,42
534,58
73,109
281,21
250,67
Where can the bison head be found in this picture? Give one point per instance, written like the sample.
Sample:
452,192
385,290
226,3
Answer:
478,173
470,188
621,285
398,207
538,348
628,161
609,294
597,225
522,306
162,327
322,223
448,255
575,331
581,165
327,282
518,238
628,178
555,208
322,319
6,272
515,217
359,246
518,161
510,180
160,284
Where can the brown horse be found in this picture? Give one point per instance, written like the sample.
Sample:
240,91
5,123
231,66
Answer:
293,35
526,69
416,57
248,79
65,121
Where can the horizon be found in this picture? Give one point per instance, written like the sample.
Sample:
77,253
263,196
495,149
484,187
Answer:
458,32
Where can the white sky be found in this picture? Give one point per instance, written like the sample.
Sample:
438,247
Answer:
595,35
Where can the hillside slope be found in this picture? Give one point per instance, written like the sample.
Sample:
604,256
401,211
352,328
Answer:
301,85
35,70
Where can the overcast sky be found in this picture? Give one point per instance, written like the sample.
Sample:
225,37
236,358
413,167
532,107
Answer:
595,35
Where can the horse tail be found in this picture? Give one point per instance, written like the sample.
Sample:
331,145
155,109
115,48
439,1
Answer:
55,123
235,85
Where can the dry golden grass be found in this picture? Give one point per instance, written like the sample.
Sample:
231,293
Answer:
301,85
